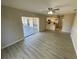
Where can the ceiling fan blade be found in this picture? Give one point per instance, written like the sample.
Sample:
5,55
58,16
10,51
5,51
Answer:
57,9
53,11
49,8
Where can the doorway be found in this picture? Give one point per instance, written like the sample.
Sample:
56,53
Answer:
54,23
30,25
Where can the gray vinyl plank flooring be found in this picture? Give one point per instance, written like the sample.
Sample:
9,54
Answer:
43,45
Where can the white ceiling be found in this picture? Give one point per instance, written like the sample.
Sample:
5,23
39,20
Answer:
41,6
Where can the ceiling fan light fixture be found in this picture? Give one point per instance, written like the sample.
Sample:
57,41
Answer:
50,12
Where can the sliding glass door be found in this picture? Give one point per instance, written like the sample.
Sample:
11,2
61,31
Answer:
30,25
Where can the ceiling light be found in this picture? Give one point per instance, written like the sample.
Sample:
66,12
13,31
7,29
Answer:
50,12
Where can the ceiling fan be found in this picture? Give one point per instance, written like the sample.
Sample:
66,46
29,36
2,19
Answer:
56,9
52,10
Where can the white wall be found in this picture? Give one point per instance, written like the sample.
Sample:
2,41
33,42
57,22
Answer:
74,33
67,22
11,30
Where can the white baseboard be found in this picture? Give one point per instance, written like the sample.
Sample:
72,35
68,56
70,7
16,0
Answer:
11,43
14,42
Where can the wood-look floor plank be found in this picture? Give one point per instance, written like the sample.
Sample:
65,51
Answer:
43,45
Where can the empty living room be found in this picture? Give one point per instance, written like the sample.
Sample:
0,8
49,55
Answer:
38,29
